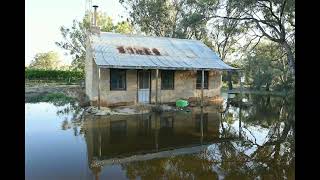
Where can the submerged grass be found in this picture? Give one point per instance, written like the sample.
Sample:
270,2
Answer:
55,98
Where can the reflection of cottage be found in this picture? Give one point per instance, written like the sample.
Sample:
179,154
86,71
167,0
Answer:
130,69
121,139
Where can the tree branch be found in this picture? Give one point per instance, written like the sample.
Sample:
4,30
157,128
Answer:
258,25
256,43
282,8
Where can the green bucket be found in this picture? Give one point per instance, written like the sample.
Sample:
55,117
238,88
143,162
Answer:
181,103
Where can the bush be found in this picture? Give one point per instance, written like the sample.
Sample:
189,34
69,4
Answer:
58,99
55,75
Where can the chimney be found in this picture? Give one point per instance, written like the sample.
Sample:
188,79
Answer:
94,27
95,15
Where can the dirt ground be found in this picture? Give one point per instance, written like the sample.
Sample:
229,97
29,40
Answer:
75,91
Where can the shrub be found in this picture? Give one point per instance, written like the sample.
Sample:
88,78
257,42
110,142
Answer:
55,75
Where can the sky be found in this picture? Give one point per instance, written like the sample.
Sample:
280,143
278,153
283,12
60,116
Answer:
43,19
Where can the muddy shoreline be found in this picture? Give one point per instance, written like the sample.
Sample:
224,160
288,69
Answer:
74,91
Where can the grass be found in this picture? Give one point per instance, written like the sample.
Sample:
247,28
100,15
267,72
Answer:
55,98
32,83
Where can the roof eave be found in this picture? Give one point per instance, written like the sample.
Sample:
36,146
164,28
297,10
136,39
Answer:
162,68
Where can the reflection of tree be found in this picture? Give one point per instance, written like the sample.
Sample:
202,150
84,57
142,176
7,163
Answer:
76,112
180,167
246,158
243,159
65,124
274,159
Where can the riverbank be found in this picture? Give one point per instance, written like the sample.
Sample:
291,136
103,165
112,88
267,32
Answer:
38,91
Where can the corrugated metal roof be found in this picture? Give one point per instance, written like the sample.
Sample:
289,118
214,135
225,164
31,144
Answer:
183,54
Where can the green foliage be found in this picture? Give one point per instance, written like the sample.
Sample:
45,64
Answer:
151,16
272,19
74,42
123,27
56,75
48,61
180,19
103,21
58,99
74,38
264,67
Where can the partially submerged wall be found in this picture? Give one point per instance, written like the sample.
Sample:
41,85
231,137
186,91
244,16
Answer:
118,97
91,73
184,87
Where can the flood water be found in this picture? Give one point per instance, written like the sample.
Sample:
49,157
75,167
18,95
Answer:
254,140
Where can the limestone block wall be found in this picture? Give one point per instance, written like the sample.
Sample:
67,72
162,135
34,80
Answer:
91,76
118,97
185,86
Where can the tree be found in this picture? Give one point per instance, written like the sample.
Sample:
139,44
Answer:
225,35
151,16
123,27
74,38
103,21
273,19
264,67
48,61
74,43
166,18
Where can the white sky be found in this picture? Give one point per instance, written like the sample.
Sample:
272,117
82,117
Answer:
44,17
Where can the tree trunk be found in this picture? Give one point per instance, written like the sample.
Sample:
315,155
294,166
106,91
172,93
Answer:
229,80
268,101
290,57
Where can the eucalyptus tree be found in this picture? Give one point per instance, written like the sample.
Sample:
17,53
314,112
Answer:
272,19
170,18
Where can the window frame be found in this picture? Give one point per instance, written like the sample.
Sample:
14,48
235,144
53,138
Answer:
206,73
163,72
125,80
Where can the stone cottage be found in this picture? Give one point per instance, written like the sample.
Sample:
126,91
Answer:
124,69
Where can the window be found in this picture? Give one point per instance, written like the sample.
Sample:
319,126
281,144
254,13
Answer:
167,80
117,79
199,77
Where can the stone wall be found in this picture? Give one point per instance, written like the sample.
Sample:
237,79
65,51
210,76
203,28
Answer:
184,88
91,74
118,97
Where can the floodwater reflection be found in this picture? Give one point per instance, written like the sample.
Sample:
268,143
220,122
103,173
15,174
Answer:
239,141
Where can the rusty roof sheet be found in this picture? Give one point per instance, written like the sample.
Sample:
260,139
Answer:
113,50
